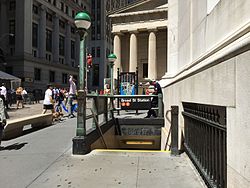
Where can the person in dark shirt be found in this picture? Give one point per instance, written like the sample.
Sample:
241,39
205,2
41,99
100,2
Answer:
154,102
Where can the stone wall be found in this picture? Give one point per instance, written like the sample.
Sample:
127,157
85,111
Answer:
208,58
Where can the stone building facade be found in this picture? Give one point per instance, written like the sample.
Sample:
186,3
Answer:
140,39
208,63
45,46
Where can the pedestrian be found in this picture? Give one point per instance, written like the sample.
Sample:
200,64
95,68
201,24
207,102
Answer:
19,97
72,96
48,102
2,119
24,95
154,88
4,95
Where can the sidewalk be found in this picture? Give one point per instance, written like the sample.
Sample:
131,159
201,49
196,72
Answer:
28,110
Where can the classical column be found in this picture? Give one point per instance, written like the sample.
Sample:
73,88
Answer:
152,67
55,41
42,32
133,53
68,44
117,52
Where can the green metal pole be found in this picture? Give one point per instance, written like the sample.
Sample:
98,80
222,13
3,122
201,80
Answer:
112,80
81,110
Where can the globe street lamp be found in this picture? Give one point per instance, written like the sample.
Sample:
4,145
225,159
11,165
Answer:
82,22
111,58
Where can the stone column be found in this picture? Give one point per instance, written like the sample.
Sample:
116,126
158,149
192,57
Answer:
133,53
117,52
68,44
42,32
152,67
55,41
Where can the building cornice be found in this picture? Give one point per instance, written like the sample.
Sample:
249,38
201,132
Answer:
157,10
233,45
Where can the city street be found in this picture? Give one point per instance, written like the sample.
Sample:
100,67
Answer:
25,158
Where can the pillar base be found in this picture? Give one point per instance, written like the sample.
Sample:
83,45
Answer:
80,146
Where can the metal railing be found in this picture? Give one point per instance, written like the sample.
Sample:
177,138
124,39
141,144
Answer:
205,141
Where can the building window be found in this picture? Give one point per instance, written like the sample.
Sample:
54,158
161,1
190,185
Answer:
49,1
73,30
12,29
73,13
62,6
51,76
95,75
98,52
61,45
66,9
37,74
48,57
34,53
72,49
64,78
49,16
98,31
93,51
48,40
12,5
61,60
34,35
62,24
145,70
54,2
93,32
35,9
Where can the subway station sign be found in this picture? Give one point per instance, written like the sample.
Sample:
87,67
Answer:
135,103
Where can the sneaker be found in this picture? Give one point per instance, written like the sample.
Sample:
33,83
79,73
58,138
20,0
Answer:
72,116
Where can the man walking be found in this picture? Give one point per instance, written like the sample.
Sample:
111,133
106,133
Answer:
2,119
72,96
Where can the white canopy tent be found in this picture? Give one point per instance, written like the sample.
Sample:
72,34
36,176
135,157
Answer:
10,81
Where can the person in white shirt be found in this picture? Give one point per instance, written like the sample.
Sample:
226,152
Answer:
48,103
3,94
2,119
72,95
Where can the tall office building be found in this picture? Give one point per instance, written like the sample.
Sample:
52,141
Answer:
45,46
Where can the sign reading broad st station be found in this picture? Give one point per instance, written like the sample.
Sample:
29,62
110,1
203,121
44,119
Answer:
135,103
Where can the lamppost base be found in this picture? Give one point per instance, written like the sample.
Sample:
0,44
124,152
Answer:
80,146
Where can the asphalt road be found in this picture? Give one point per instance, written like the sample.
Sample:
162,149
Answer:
25,158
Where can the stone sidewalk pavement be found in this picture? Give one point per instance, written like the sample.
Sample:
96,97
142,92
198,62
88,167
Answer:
28,110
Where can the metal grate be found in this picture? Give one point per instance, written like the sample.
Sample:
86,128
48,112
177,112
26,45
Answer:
205,141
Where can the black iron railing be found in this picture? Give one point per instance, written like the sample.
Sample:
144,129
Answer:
205,141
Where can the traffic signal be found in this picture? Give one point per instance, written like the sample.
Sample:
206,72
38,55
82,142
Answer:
89,61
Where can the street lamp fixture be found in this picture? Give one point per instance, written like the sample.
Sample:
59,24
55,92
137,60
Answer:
112,58
82,23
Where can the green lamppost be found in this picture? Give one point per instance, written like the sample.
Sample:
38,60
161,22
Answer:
82,22
112,58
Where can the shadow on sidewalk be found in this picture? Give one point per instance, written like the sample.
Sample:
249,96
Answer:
15,146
